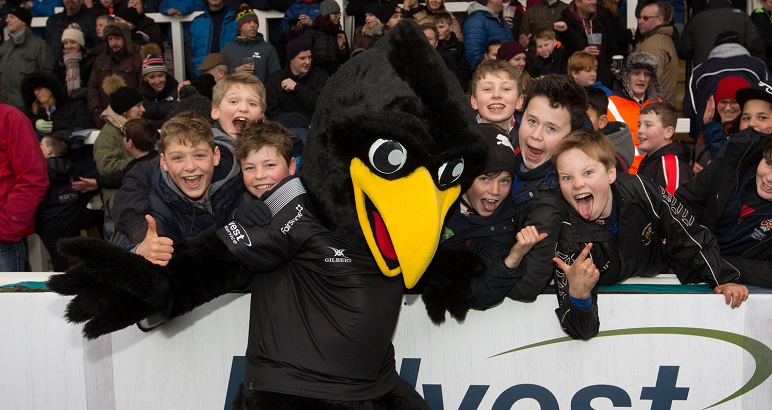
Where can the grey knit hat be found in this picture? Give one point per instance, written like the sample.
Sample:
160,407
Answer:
328,7
191,100
641,60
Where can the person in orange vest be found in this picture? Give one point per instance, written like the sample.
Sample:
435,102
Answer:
636,87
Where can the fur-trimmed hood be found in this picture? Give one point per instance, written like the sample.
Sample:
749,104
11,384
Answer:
41,79
645,61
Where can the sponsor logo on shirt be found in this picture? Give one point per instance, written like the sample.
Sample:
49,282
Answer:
287,226
761,232
237,234
338,256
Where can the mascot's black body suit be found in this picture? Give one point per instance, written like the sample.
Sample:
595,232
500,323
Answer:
392,141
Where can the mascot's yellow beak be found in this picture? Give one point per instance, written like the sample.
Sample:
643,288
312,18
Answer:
401,219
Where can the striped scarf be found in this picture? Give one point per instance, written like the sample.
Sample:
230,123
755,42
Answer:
72,76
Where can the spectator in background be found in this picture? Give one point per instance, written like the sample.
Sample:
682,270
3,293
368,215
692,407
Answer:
666,161
22,187
327,38
484,25
762,19
413,9
101,45
728,58
250,45
296,88
702,31
73,68
74,12
538,17
368,33
657,39
433,7
721,120
580,19
21,54
143,28
451,48
514,53
583,68
183,8
63,211
41,8
215,64
549,55
214,29
119,58
49,108
393,15
300,15
158,89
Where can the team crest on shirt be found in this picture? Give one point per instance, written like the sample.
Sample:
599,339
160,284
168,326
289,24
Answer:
761,232
647,234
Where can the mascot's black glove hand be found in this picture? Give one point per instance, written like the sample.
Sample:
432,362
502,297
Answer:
113,288
253,213
446,284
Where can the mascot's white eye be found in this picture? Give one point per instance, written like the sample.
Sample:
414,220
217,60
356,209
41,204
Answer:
387,156
450,172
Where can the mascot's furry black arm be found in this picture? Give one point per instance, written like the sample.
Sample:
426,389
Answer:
115,288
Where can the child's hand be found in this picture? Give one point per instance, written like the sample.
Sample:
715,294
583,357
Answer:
527,238
710,110
84,185
582,275
734,293
156,249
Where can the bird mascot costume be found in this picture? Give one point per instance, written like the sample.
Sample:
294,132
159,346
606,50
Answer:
392,141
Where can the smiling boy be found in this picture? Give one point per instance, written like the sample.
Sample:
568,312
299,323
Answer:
626,219
265,154
666,162
496,94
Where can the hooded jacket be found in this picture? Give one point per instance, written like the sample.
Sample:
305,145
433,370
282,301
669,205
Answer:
619,134
668,166
19,57
659,43
161,105
266,59
481,28
127,63
68,114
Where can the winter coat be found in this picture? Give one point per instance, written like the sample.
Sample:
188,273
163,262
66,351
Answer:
659,43
128,66
668,166
481,28
68,114
58,22
454,26
453,54
86,66
708,194
23,175
18,58
62,206
324,46
762,19
619,134
110,154
301,100
575,39
159,106
266,58
555,63
362,41
199,46
294,11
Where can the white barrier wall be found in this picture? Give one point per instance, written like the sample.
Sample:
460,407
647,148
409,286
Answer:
679,351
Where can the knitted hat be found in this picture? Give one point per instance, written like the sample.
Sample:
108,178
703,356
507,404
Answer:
74,35
295,46
509,50
191,100
389,10
204,84
759,91
328,7
375,9
122,98
22,14
152,61
244,15
211,61
129,14
728,86
641,60
501,155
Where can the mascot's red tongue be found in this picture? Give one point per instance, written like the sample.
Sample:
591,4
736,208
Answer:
383,238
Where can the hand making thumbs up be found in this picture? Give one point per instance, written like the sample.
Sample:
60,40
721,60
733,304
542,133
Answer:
154,248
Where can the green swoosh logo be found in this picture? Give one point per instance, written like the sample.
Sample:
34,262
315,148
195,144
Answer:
759,351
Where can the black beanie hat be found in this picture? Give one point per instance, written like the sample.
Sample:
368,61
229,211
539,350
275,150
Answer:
501,155
22,14
123,99
129,14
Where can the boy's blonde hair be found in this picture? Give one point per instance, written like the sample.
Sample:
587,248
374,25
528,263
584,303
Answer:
257,135
666,112
187,128
238,79
546,34
499,68
593,143
581,61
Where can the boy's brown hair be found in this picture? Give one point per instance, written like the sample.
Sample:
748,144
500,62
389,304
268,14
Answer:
561,92
766,150
581,61
257,135
546,34
593,143
234,79
666,112
59,142
499,68
142,133
443,17
187,128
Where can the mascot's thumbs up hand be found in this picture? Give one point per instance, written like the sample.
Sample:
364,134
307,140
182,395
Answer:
113,288
446,284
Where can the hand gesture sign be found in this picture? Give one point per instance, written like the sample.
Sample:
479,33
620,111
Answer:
582,275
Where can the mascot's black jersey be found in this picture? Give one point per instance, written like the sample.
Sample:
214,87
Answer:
322,313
